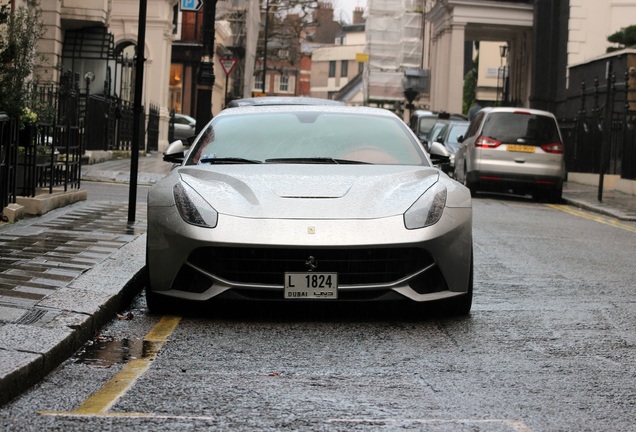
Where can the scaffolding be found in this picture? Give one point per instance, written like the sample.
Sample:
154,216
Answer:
394,44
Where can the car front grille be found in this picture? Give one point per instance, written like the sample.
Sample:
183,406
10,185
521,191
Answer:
268,265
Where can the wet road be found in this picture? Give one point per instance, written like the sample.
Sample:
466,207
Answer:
550,345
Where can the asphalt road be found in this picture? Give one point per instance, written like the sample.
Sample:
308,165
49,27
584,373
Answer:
549,346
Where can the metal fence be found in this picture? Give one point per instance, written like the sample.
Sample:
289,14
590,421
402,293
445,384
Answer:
601,138
153,128
8,156
48,155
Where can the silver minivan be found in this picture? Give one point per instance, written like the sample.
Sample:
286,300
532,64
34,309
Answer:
516,149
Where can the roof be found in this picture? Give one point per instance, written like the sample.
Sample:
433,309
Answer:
341,108
281,100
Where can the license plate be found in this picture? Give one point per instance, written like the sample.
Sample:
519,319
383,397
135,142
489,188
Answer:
520,148
311,286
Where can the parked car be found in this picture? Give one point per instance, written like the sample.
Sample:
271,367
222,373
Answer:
422,121
514,149
433,133
308,203
184,127
446,141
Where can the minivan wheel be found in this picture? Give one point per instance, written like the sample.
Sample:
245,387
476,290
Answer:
555,195
469,184
552,196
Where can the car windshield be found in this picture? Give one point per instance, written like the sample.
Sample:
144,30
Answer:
451,142
307,137
435,132
426,123
512,127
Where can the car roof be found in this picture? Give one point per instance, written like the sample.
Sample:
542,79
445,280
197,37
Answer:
516,109
344,109
439,114
281,100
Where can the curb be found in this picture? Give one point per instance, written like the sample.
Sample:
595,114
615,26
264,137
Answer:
28,353
598,209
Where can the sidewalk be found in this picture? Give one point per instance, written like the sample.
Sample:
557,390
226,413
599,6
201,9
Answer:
66,274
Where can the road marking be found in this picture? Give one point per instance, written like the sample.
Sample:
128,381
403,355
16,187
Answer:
99,404
104,398
514,424
600,219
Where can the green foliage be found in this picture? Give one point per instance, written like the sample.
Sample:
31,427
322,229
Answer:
625,38
19,34
470,90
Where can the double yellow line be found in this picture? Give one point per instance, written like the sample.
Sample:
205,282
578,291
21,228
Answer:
596,218
102,400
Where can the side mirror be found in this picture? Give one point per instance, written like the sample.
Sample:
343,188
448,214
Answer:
460,139
175,153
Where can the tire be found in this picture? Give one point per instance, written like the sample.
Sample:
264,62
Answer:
556,195
472,187
552,196
157,303
461,305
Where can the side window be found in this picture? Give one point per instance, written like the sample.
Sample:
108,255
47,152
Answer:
474,125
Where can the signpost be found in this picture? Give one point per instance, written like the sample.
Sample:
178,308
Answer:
228,65
190,5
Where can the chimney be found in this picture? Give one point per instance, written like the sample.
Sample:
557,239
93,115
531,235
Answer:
357,15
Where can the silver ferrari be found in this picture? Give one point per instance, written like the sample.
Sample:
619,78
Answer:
308,203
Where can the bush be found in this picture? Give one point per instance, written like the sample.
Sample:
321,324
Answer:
20,32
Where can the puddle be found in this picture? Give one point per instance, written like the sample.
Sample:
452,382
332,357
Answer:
107,351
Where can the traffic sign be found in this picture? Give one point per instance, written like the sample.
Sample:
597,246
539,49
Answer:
190,5
228,64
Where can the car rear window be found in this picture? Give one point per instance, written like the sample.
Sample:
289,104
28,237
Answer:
512,127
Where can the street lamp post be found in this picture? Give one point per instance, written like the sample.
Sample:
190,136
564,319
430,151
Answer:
205,77
503,72
265,45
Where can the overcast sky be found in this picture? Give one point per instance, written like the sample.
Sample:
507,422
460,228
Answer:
344,8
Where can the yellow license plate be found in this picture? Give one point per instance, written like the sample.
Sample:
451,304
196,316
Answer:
520,148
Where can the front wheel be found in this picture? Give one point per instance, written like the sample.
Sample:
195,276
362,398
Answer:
461,305
157,303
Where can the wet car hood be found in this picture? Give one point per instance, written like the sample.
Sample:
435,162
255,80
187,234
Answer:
309,191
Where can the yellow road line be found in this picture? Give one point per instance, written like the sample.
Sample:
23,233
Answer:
593,217
104,398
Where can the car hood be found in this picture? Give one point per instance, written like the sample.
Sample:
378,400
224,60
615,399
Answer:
308,191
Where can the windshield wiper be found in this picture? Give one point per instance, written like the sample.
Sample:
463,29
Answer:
311,160
229,160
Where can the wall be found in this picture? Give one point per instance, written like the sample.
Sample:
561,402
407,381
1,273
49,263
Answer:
591,22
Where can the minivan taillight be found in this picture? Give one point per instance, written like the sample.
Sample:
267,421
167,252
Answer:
486,142
555,148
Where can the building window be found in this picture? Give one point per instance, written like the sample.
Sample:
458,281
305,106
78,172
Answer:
344,68
332,69
258,82
283,85
176,87
360,67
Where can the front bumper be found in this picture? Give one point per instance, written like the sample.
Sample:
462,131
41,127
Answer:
427,264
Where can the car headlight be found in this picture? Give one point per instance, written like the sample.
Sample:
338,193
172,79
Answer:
193,208
428,208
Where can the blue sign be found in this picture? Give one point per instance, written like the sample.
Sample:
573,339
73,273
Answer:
191,5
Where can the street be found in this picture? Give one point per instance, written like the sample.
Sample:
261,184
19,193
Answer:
550,345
